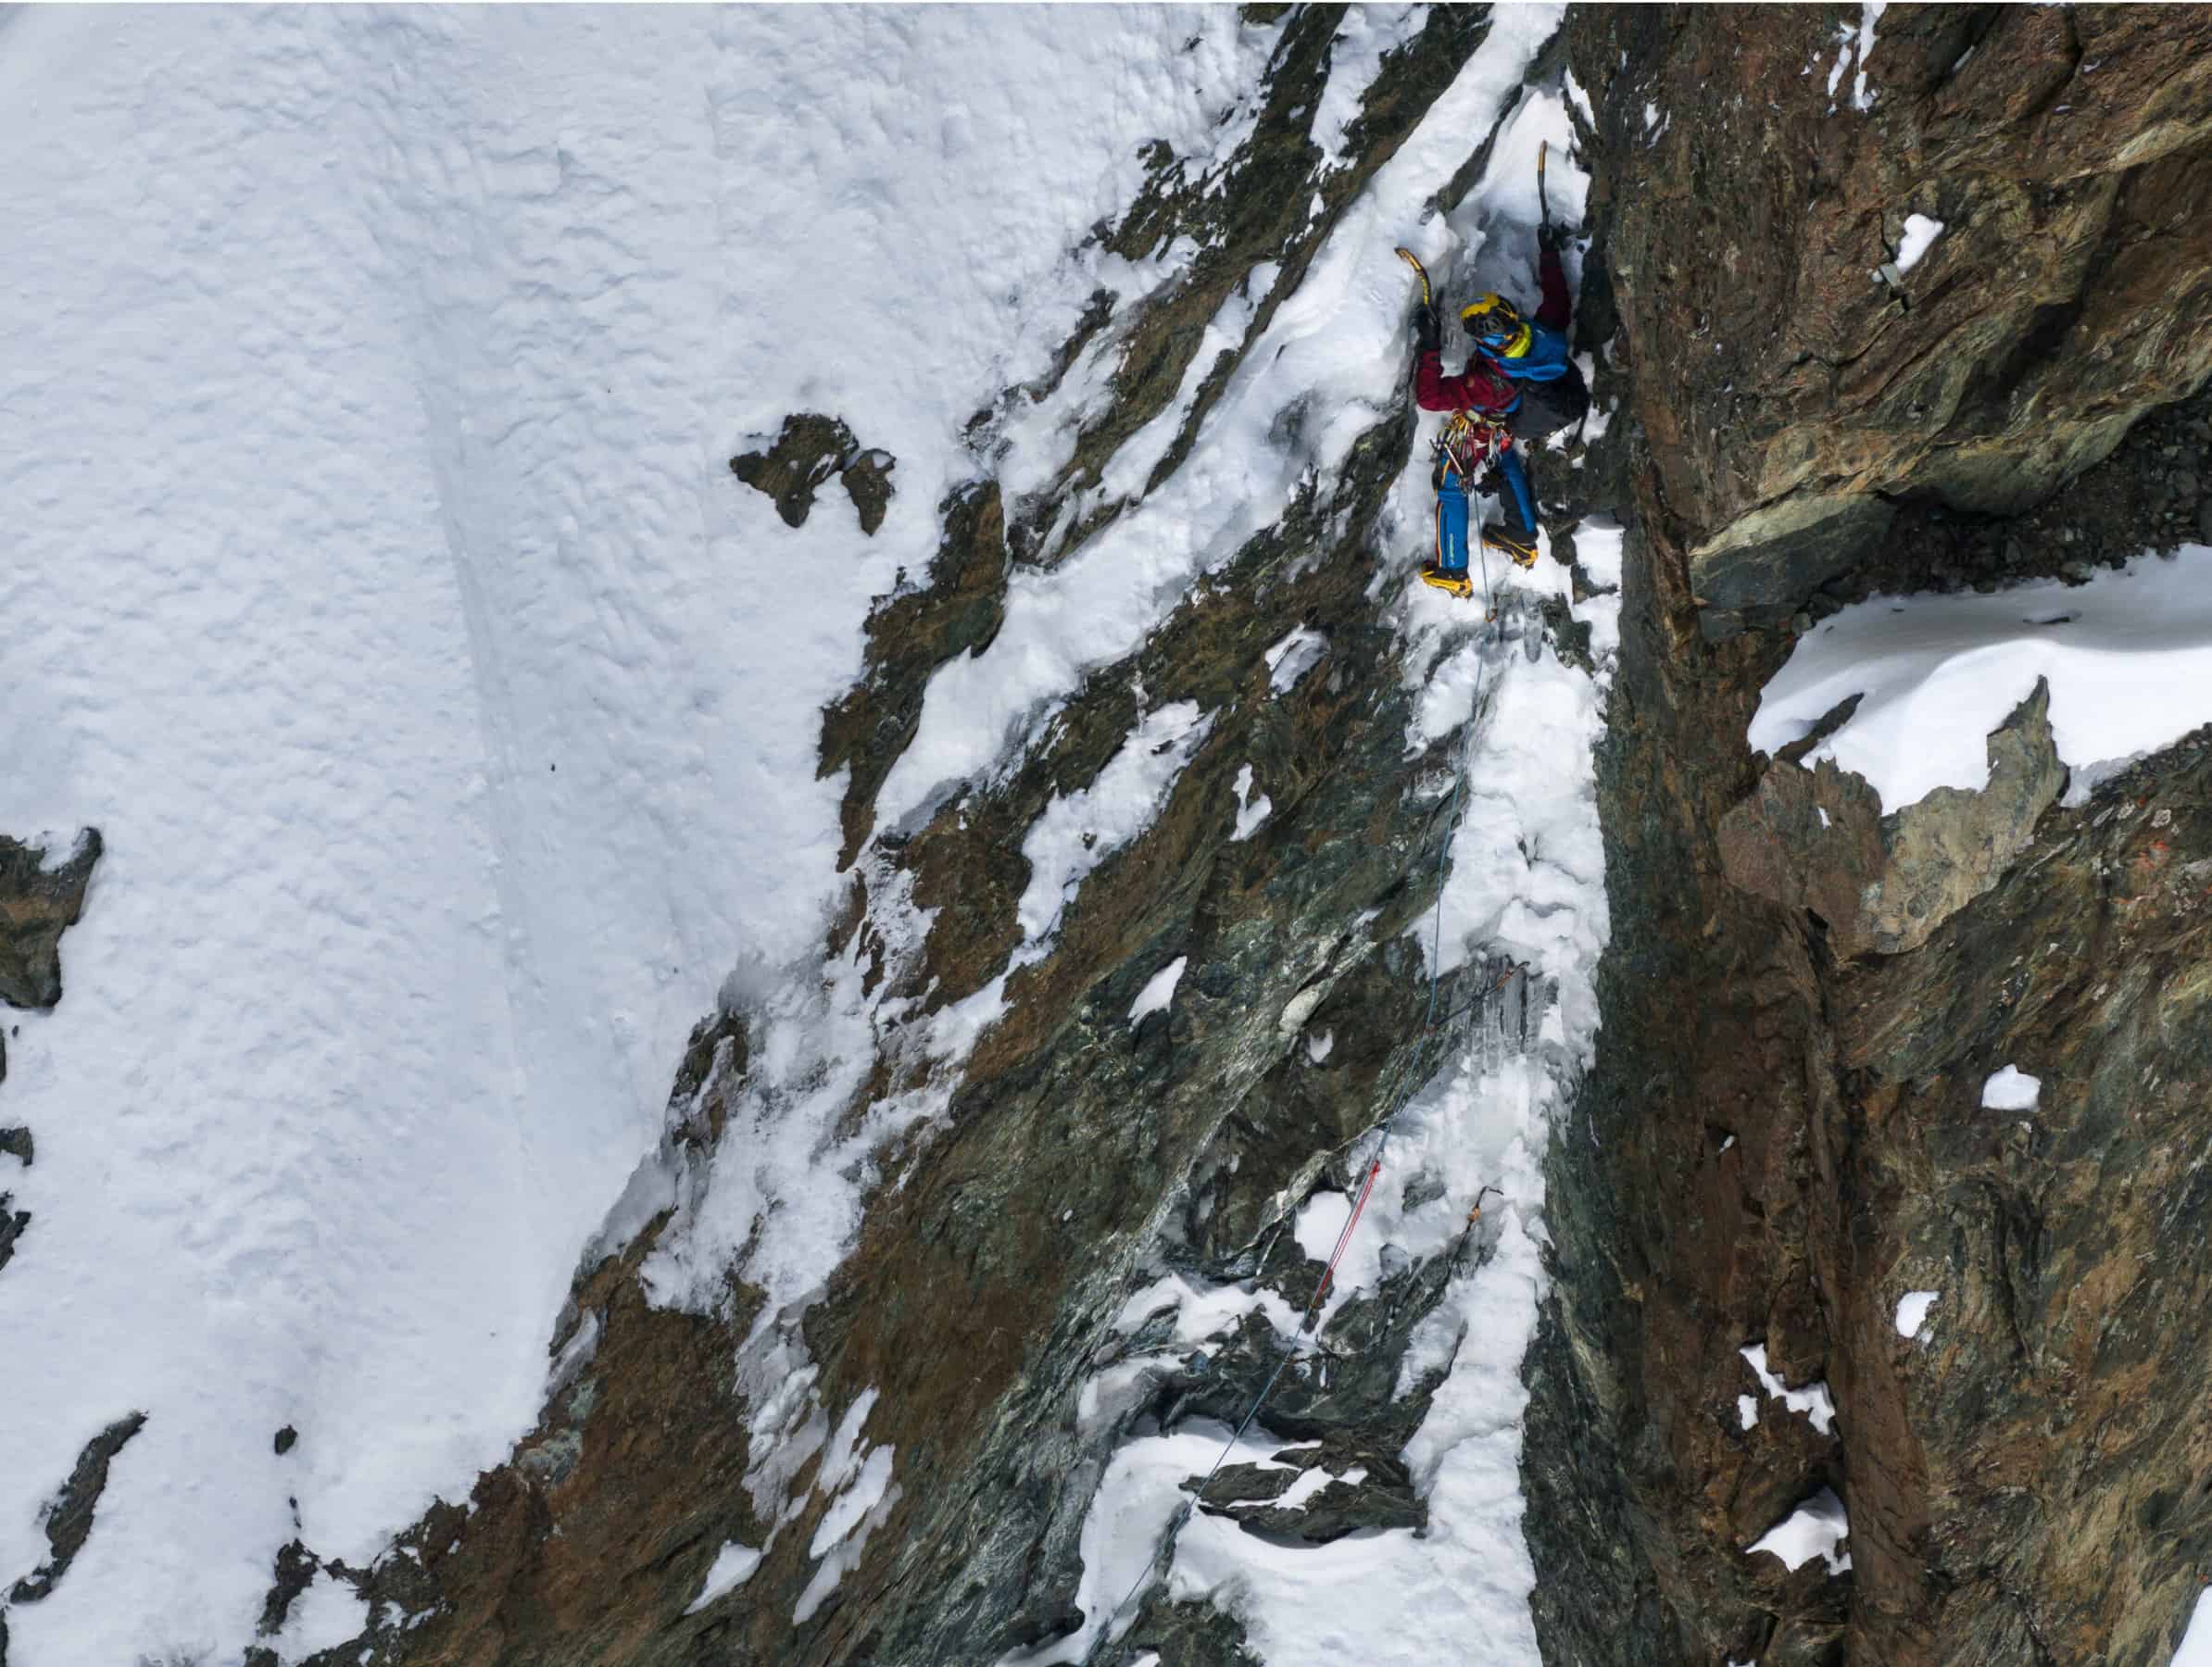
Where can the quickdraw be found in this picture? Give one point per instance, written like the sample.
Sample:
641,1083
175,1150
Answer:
1470,443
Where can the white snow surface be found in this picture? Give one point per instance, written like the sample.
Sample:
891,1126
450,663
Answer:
1817,1528
1292,657
1912,1311
379,587
1920,233
2011,1089
732,1566
327,1613
1159,990
1813,1399
2128,657
2196,1643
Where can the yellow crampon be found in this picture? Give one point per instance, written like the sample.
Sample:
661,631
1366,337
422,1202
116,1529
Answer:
1452,581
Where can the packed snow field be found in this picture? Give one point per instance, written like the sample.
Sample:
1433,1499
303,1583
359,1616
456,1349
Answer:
382,592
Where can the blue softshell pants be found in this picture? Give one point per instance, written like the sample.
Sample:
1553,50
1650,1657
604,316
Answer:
1452,523
1451,510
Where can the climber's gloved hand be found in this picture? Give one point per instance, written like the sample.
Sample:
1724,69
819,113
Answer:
1428,336
1551,238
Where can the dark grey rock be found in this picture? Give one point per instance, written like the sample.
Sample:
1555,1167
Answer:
1718,624
68,1517
1778,555
40,899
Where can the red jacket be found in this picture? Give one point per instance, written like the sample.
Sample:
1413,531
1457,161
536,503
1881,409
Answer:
1479,387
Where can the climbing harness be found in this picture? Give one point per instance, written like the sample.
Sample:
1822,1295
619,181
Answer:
1400,1093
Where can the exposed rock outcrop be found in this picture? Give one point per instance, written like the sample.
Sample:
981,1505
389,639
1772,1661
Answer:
68,1518
40,899
807,451
1762,167
1818,839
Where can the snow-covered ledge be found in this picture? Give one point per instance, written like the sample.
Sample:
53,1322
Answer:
1919,739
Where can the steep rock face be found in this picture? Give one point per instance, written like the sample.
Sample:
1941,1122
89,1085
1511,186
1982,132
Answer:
1765,167
1788,1137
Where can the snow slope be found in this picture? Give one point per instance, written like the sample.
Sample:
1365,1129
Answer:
381,590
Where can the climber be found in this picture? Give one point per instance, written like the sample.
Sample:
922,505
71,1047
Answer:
1519,372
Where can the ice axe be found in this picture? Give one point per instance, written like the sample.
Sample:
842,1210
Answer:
1544,204
1420,271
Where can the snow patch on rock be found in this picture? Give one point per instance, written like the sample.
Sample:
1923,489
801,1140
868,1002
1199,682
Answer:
1817,1528
1813,1399
1912,1311
1159,991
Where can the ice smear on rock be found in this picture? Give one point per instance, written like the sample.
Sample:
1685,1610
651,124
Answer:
1294,657
1159,990
732,1566
1080,829
1252,807
1813,1400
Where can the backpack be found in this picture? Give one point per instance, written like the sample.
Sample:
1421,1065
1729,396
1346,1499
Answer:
1547,407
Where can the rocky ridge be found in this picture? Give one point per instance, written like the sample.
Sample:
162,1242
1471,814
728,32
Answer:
1812,1147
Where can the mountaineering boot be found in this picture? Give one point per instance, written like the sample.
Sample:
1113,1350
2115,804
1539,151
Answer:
1452,580
1515,540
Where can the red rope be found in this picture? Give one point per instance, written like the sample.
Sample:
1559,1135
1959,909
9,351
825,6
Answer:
1344,1238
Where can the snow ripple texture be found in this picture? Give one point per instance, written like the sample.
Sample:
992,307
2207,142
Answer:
379,587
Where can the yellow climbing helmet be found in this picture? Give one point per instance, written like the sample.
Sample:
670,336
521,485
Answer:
1496,323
